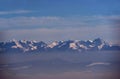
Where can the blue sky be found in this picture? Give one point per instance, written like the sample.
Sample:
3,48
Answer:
60,19
62,7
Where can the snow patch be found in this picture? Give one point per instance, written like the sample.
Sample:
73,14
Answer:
73,46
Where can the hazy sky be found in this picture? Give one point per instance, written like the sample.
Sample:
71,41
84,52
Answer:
50,20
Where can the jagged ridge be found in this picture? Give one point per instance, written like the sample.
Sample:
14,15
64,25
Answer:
69,45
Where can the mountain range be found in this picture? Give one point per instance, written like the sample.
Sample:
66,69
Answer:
97,44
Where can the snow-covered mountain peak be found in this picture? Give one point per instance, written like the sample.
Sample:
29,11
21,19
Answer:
53,44
68,45
89,41
98,41
23,41
16,44
73,45
34,41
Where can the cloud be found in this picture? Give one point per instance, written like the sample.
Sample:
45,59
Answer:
14,12
20,68
56,22
60,28
98,63
28,22
50,34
